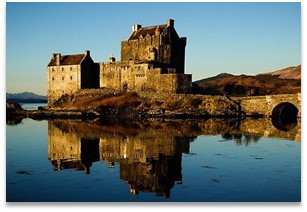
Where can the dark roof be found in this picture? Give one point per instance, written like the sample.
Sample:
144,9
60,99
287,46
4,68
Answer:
68,60
146,30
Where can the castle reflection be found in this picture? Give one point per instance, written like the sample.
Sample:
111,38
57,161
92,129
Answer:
149,154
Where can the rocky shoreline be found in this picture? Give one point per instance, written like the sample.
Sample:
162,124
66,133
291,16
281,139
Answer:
14,110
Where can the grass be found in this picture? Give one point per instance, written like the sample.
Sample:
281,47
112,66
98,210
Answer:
96,100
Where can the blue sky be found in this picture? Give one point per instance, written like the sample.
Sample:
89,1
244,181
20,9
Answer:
237,38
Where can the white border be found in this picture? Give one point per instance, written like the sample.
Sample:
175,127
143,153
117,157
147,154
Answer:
142,206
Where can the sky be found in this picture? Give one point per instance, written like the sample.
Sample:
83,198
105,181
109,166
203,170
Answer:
236,38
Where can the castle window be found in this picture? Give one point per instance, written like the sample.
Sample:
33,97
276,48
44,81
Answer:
52,69
62,69
70,77
71,68
52,78
62,78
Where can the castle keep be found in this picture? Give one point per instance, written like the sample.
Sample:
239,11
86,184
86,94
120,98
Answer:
152,60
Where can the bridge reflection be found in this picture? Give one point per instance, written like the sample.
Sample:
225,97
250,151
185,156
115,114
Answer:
149,154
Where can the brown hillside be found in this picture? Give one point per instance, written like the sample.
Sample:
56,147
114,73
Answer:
287,73
285,81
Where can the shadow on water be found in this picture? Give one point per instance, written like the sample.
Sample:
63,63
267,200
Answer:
148,153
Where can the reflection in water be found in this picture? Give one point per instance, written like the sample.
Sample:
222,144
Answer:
284,124
13,120
240,138
149,154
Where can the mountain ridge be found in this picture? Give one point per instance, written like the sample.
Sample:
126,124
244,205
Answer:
283,81
25,97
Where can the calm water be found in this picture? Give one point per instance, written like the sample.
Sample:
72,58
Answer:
32,106
203,161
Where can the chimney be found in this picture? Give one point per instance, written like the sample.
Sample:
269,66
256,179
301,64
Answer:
58,59
136,27
170,23
87,52
112,58
53,56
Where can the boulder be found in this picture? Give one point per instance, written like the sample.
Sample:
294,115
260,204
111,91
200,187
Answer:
13,107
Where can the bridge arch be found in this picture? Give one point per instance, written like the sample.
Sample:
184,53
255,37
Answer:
284,116
285,110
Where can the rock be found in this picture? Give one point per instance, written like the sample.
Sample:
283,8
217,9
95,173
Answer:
13,107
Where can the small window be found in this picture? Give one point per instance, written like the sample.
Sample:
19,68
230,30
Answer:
52,78
62,69
71,68
52,69
62,78
70,77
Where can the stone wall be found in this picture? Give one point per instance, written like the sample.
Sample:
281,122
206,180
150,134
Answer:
264,105
68,79
63,80
164,47
142,77
140,50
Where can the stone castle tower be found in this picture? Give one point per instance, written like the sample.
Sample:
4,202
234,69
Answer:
152,60
159,45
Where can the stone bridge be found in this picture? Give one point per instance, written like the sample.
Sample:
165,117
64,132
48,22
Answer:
283,105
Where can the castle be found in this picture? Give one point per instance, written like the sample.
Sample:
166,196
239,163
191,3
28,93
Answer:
152,60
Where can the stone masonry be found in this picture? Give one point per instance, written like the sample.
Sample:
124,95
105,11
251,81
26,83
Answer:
265,105
68,74
152,60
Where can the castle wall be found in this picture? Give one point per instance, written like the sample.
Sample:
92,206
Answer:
68,79
140,49
173,83
62,80
152,60
165,47
142,78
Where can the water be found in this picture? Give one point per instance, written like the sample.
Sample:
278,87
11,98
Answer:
32,106
169,161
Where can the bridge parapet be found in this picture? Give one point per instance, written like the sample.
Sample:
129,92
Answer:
264,105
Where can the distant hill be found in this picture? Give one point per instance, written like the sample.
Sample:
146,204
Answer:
25,97
285,81
219,76
287,73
